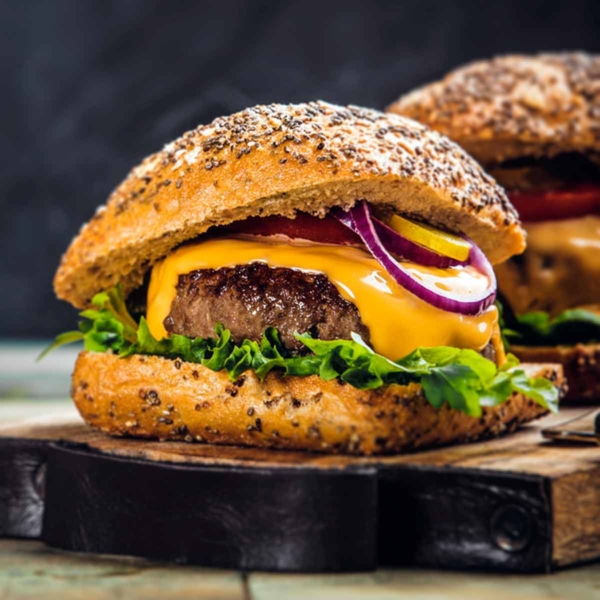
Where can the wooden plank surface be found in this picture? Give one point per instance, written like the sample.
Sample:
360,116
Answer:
406,584
29,570
576,502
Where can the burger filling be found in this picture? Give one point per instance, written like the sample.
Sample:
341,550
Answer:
552,291
370,300
248,298
328,291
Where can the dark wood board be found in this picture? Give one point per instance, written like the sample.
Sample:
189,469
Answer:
518,503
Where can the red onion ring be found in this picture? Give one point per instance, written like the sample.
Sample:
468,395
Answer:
360,220
400,246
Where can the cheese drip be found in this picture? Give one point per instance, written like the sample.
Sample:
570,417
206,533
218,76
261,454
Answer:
397,320
559,270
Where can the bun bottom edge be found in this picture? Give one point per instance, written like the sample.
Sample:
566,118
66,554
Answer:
159,398
581,368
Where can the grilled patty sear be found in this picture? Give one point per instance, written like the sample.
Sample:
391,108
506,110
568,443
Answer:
247,299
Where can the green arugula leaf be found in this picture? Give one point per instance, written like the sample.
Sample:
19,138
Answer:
456,384
538,389
539,329
462,378
68,337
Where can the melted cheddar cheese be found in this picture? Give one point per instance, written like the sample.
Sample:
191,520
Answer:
397,320
559,270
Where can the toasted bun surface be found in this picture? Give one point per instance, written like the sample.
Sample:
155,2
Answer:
514,106
279,159
581,367
153,397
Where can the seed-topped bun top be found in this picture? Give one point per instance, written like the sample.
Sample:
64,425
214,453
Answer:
514,106
276,160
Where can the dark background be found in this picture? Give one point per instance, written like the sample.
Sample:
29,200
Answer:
89,88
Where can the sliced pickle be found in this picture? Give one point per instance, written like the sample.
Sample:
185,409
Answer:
441,242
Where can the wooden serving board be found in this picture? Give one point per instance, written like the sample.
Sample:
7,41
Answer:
517,503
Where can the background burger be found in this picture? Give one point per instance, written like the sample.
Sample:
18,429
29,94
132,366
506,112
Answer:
534,124
304,276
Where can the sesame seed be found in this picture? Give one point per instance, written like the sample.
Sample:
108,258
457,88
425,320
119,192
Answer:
350,141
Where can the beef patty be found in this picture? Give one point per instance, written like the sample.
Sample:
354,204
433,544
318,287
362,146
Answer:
247,299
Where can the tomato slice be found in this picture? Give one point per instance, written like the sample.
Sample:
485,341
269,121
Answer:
553,205
307,227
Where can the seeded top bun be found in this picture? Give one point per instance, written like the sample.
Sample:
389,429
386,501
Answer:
514,106
279,159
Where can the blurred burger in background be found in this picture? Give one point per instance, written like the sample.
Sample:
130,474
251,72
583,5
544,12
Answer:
533,122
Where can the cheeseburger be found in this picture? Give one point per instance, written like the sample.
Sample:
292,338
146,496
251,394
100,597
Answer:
534,124
305,276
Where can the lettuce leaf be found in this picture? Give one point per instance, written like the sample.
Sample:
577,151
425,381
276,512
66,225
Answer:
462,378
574,326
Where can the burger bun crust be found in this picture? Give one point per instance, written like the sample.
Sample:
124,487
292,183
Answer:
514,106
154,397
280,159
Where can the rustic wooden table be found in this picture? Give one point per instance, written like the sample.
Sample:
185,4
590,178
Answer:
28,569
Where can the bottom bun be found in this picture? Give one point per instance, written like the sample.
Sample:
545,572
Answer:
154,397
581,367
